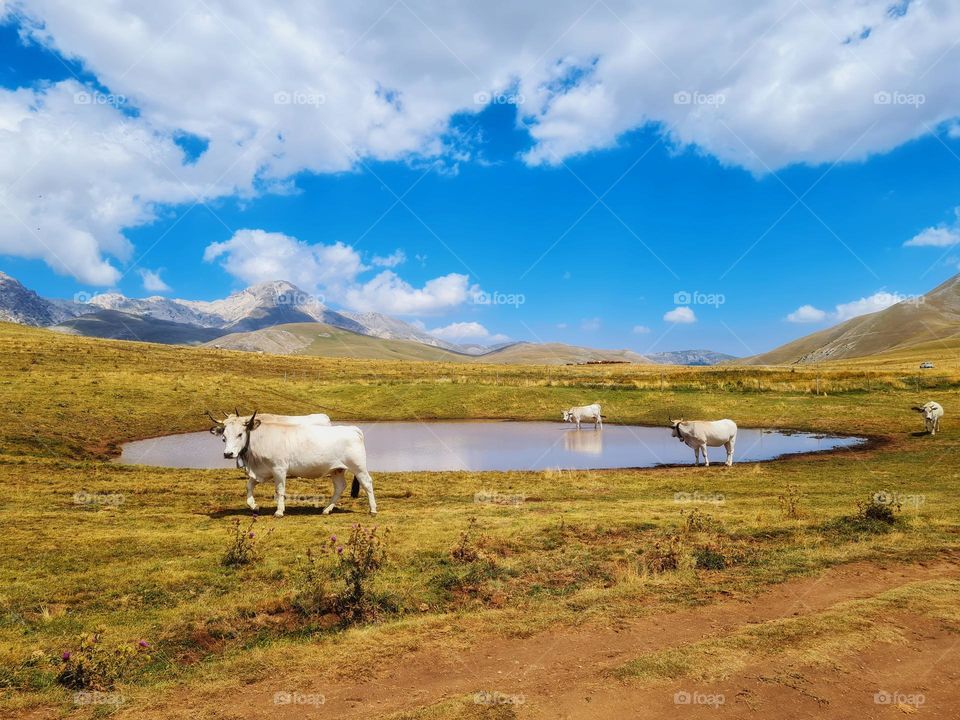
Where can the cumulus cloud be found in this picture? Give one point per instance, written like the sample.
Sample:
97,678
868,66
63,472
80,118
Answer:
873,303
943,235
334,271
681,315
640,330
388,292
397,257
276,90
880,300
590,324
152,282
255,256
807,314
459,332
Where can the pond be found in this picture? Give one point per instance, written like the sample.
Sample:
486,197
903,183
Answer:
492,445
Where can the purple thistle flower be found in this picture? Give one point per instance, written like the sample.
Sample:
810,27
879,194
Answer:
65,656
333,538
251,535
340,550
143,644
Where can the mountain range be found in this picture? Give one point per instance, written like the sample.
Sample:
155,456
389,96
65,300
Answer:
279,317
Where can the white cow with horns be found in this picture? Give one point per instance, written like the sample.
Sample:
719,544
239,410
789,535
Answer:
932,412
701,434
279,447
584,413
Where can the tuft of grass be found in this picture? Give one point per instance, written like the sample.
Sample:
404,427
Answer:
245,546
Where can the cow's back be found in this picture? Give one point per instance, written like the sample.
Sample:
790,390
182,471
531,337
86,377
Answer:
308,450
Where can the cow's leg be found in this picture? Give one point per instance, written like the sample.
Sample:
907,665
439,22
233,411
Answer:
280,488
367,482
578,423
339,483
598,423
696,455
706,460
251,484
728,445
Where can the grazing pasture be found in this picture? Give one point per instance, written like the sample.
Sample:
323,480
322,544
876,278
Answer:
762,584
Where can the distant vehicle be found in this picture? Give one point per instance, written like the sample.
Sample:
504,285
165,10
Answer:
926,365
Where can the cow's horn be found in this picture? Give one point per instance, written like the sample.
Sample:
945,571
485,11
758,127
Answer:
252,419
215,421
236,411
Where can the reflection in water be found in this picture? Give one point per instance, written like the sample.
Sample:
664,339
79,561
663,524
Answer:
589,442
412,446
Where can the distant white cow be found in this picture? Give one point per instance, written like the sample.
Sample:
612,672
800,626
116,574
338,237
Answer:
701,434
584,412
932,412
280,449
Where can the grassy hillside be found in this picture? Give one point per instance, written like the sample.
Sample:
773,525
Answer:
914,326
113,325
322,340
145,563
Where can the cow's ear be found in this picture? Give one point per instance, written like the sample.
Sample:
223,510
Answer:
216,430
254,424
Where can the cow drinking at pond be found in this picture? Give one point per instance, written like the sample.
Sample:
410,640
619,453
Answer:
932,412
701,434
584,412
277,449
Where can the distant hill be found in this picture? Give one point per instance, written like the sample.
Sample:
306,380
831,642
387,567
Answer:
934,317
558,354
115,325
690,357
329,341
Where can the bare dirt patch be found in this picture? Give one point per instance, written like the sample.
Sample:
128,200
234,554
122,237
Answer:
567,672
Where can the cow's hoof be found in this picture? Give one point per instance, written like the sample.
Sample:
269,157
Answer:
373,513
327,511
254,507
278,514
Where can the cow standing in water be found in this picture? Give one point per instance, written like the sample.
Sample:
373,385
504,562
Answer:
701,434
584,412
277,449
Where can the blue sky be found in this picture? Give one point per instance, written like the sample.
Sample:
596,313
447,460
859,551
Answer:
589,223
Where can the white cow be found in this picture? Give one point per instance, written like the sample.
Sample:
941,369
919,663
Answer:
584,412
279,449
932,412
701,434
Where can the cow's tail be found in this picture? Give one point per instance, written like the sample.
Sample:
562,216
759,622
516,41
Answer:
355,488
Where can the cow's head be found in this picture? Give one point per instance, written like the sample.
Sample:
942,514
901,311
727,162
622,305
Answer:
236,434
925,410
675,427
567,415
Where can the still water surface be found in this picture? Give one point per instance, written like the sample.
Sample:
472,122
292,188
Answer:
480,445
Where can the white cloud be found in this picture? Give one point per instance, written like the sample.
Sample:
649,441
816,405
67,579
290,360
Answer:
459,332
640,330
255,256
334,271
397,257
590,324
280,89
682,315
807,314
389,293
561,326
874,303
152,282
845,311
943,235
